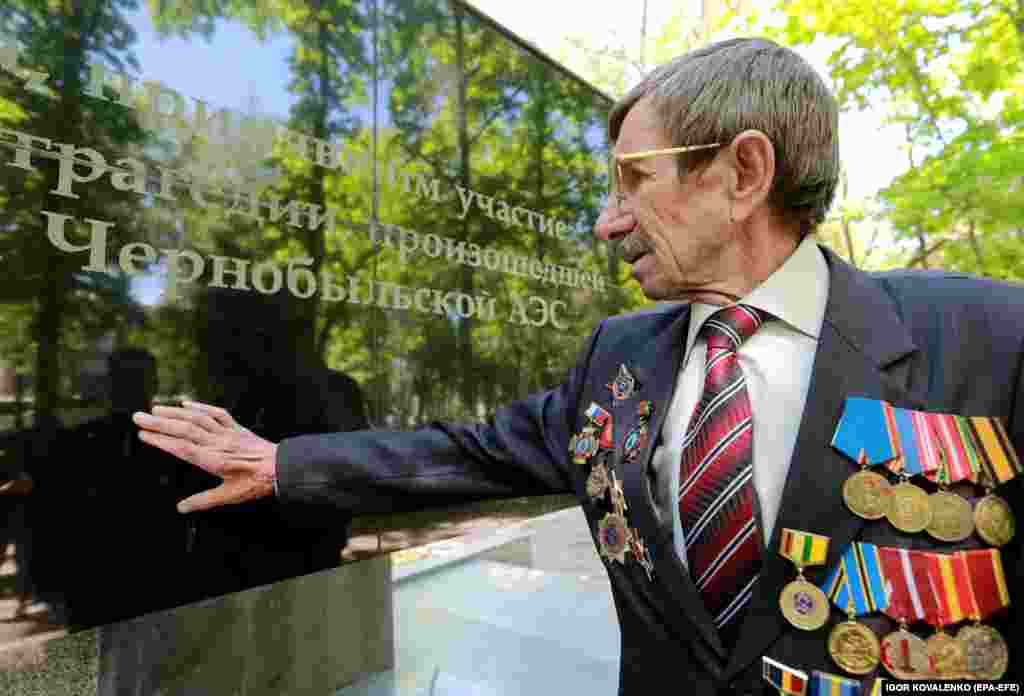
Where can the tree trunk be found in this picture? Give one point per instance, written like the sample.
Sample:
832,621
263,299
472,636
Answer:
464,339
972,235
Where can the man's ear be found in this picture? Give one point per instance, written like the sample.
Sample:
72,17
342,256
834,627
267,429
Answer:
752,160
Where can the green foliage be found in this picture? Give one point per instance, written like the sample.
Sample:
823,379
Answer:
951,72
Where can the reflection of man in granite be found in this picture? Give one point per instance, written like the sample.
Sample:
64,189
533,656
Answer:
114,553
727,158
253,349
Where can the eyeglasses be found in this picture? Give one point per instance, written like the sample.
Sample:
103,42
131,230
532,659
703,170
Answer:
643,154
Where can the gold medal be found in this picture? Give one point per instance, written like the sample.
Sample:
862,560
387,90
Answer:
909,510
988,655
952,517
854,647
866,493
948,655
804,605
905,656
994,520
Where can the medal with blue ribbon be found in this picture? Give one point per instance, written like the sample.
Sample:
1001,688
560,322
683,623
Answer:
865,436
857,586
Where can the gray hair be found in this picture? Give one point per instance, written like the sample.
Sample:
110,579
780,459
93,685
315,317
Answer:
716,92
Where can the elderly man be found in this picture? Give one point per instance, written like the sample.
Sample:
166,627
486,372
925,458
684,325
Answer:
695,432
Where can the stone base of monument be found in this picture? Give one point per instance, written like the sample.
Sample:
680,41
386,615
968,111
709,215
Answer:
310,635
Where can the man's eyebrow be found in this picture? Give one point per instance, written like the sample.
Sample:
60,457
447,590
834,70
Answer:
633,164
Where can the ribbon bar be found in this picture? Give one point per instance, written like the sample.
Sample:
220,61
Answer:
786,679
825,684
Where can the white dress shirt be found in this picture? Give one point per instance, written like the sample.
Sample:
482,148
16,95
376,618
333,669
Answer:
776,361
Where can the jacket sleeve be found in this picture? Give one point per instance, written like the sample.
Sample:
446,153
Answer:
522,451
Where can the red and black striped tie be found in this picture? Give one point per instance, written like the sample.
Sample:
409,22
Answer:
716,493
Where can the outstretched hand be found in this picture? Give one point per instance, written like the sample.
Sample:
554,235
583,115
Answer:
208,437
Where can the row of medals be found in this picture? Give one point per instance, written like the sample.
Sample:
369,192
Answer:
976,651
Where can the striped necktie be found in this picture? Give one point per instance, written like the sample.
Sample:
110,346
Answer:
716,493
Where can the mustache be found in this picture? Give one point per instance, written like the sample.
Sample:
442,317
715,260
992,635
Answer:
634,245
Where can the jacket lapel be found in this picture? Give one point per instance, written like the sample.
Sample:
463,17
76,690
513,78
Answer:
860,351
656,368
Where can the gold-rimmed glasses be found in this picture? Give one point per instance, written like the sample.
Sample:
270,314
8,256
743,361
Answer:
643,154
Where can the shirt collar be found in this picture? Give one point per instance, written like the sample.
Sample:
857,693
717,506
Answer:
796,294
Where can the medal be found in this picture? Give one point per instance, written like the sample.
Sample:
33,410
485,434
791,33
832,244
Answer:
624,385
904,655
584,446
908,509
949,582
597,481
864,434
993,516
804,605
952,517
787,680
854,647
948,656
987,654
597,415
994,520
635,442
613,535
858,584
866,494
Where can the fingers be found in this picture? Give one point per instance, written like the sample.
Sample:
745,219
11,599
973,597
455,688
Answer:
230,492
614,223
206,500
218,414
182,449
181,423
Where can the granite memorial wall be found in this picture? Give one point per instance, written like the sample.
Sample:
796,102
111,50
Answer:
323,215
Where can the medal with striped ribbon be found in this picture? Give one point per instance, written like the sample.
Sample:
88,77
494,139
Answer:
857,586
863,435
988,655
904,655
993,517
803,604
948,582
787,680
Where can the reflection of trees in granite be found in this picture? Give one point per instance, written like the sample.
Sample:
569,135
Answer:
70,307
509,127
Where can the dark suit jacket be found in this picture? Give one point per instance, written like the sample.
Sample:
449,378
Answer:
933,341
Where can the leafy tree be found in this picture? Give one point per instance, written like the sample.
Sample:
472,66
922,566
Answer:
950,71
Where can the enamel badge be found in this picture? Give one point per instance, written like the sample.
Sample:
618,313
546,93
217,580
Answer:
613,535
624,385
584,446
